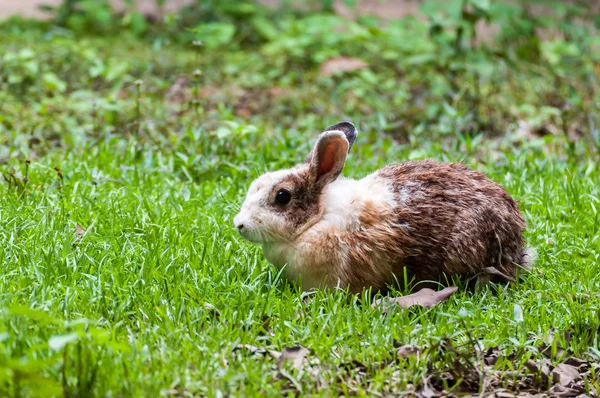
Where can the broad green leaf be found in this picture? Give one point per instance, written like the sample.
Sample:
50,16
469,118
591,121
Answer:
419,59
215,34
53,83
483,5
518,313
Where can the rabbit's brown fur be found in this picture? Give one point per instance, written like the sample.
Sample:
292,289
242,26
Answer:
451,220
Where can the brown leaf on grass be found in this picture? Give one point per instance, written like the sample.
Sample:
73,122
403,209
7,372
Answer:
508,394
491,356
424,297
501,393
406,351
560,391
505,394
565,374
79,234
341,64
542,369
79,230
427,391
580,364
294,354
549,341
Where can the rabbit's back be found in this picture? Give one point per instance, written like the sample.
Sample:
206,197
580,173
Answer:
453,220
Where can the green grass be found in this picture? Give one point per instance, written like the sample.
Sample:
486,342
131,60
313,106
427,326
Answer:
159,291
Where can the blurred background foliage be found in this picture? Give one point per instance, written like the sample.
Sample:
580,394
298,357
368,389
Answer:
462,68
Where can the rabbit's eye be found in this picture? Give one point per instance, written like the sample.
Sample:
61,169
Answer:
283,197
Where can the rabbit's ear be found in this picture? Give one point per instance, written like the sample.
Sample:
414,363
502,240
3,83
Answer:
328,157
348,129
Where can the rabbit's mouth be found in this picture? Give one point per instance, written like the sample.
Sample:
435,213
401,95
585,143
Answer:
254,233
250,235
249,231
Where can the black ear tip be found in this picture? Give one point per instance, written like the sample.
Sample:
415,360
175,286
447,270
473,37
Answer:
343,126
348,129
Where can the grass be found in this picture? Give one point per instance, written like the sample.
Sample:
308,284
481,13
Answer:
123,276
160,288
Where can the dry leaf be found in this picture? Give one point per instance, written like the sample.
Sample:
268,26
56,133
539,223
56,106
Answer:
294,354
341,64
509,394
406,351
427,391
491,356
560,391
564,374
79,230
580,364
548,343
543,371
424,297
79,234
504,394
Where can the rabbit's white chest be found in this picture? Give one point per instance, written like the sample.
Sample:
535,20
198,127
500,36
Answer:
305,263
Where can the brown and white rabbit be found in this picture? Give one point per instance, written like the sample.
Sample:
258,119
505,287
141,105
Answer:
432,219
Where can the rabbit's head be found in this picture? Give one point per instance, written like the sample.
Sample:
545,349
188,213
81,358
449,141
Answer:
280,205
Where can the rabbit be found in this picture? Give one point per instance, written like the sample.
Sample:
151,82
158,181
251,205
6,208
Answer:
412,221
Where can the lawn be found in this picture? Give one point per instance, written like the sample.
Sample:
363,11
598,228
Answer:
127,146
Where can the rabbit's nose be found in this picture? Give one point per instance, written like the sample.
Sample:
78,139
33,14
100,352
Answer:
238,223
